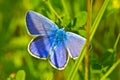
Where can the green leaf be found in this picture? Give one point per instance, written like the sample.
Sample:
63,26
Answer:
108,58
81,18
9,78
20,75
96,66
94,61
107,79
94,58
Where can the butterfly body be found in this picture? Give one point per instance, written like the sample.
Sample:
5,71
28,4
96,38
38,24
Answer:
59,37
52,42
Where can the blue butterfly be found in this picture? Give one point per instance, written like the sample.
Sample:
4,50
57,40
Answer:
51,42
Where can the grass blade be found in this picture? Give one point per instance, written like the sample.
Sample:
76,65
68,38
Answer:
98,18
110,70
116,42
92,32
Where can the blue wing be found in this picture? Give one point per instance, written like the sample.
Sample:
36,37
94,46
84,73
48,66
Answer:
40,46
37,24
74,44
59,56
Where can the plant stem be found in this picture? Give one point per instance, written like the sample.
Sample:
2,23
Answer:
75,67
65,8
87,27
110,70
92,32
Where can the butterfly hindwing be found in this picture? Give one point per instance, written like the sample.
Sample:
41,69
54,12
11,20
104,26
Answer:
40,46
74,44
59,56
37,24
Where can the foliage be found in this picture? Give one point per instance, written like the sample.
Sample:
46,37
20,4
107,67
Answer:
17,64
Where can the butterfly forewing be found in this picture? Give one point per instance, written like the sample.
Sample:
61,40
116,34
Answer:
74,44
39,25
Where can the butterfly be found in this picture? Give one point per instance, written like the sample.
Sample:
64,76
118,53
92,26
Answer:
50,42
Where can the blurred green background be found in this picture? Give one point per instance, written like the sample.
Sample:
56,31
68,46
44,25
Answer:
71,14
